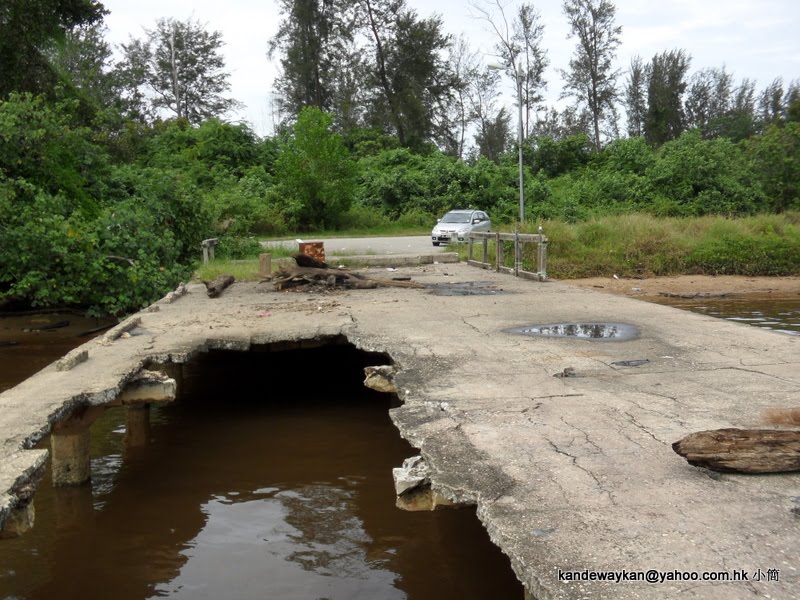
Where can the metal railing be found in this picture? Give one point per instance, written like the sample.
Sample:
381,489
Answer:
520,241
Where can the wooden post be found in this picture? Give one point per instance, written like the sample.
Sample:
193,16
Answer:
208,249
485,243
499,253
265,265
543,259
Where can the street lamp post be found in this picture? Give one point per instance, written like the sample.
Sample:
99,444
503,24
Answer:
517,246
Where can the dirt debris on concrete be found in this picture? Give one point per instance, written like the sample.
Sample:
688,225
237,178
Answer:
570,475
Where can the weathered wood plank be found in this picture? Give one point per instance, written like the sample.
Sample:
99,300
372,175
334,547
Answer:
742,450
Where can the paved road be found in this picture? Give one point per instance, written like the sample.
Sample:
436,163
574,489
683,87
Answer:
418,244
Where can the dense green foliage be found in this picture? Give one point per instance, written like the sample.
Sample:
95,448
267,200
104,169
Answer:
82,226
103,205
28,28
636,245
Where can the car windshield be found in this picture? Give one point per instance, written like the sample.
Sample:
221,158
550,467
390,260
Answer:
456,218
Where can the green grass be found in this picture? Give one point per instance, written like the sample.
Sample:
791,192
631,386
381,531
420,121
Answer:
636,245
242,270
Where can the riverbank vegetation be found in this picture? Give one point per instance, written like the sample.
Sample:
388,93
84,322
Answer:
641,245
110,177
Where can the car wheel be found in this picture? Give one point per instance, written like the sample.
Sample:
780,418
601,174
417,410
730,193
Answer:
435,243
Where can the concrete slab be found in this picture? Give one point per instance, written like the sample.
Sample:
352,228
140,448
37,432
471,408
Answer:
574,477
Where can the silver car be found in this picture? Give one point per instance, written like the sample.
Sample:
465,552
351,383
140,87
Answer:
456,225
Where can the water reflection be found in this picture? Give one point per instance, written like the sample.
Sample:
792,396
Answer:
306,543
781,315
595,331
246,492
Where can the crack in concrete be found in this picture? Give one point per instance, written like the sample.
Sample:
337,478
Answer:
757,372
643,428
673,416
582,468
630,439
468,324
598,449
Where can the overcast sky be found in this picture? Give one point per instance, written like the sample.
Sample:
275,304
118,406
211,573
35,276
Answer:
757,39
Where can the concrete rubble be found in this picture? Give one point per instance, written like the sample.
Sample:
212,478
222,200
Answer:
413,474
571,474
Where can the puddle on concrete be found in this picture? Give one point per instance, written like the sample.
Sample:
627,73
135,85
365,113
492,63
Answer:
249,492
585,331
465,288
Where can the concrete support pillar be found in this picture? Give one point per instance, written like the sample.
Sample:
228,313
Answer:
173,371
70,456
137,425
19,521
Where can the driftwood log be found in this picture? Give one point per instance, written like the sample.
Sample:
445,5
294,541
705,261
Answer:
216,287
742,450
313,273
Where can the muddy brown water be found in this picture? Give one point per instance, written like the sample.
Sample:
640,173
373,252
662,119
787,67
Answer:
777,314
27,345
270,477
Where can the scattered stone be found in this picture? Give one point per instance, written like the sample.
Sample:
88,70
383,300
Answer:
75,357
414,473
567,372
381,379
179,291
148,386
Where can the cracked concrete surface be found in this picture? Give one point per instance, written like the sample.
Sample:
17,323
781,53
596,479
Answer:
571,473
